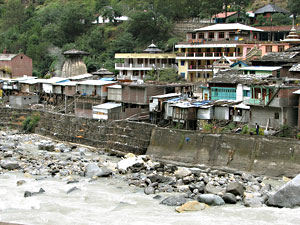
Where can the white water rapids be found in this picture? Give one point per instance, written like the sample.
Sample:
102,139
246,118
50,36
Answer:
111,201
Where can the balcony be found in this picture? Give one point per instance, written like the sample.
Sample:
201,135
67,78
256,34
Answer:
258,102
127,66
207,55
199,68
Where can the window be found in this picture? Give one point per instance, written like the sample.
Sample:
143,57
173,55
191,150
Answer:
276,116
193,36
246,93
280,48
182,75
269,48
221,35
201,35
152,61
198,75
140,61
182,63
252,72
211,35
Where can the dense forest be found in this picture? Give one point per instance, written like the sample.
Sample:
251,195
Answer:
43,29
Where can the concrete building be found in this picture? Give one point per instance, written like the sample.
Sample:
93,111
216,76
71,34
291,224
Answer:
20,101
134,66
204,46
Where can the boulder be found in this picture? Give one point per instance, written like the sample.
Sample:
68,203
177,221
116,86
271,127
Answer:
46,145
235,188
253,202
210,199
20,182
72,190
182,172
129,162
198,186
149,190
287,196
174,200
9,165
191,206
29,194
211,189
93,170
160,178
229,198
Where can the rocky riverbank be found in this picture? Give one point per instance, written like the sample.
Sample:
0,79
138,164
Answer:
190,189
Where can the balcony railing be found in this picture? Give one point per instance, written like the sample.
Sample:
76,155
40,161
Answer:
253,101
144,66
195,67
209,54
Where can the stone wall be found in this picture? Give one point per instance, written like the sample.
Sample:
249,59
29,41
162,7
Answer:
118,136
257,154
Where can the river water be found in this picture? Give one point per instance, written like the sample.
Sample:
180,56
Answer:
111,201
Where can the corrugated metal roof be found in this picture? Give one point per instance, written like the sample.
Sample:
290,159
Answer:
228,26
295,68
7,57
95,82
261,68
107,105
117,86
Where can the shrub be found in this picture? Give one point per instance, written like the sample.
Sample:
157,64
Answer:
31,122
245,129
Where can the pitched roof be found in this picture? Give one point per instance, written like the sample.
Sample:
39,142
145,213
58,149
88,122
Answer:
270,8
7,57
286,28
295,68
279,56
228,26
236,77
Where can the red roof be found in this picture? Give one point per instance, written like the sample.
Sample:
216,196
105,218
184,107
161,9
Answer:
222,14
278,28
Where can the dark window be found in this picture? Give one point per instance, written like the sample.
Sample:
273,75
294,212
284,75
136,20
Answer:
182,75
182,62
221,35
211,35
252,72
280,48
276,116
140,61
152,61
268,48
193,36
201,35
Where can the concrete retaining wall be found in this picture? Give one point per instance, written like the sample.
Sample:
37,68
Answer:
262,155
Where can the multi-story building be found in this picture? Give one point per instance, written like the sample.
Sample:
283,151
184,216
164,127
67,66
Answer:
206,45
134,66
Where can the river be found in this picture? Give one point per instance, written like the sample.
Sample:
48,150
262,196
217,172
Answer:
111,201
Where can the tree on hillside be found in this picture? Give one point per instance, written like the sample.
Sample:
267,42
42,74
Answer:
294,7
13,14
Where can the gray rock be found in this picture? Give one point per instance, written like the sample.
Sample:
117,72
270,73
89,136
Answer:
92,170
247,177
46,145
199,186
211,189
20,182
235,188
159,178
182,172
253,202
229,198
9,165
174,200
29,194
72,190
287,196
210,199
149,190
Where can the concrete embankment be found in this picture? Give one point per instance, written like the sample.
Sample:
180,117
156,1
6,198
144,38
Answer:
262,155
